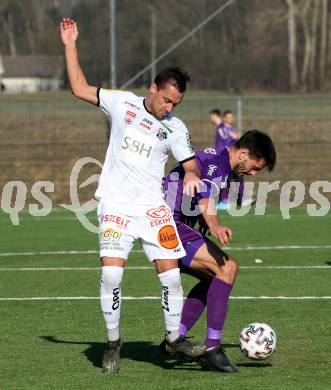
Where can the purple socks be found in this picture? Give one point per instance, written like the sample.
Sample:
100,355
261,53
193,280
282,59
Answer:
216,296
193,307
217,306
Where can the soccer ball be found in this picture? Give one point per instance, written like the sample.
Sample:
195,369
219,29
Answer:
258,341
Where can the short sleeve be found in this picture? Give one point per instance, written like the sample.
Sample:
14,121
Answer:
107,99
209,189
181,145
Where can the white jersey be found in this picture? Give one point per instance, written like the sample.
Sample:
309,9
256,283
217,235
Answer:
138,150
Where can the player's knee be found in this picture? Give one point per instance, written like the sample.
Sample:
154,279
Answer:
233,266
171,279
228,270
111,277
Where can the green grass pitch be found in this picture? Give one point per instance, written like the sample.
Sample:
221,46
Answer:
58,344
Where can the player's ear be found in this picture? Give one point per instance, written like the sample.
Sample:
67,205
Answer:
243,154
153,89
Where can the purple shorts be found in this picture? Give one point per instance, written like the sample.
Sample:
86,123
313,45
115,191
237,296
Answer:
191,239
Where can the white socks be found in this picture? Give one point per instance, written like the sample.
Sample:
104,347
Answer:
172,301
110,296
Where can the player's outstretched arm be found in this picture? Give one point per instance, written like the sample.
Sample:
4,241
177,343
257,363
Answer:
209,214
79,86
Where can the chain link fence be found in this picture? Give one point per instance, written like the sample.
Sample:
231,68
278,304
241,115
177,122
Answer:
43,135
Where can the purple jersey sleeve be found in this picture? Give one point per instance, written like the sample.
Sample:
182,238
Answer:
215,173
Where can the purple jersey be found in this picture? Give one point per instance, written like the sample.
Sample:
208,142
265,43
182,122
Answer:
215,175
223,138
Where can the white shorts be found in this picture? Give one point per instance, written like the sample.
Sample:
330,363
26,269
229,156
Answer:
154,227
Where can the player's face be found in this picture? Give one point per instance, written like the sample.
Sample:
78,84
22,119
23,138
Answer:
215,119
247,165
164,100
229,119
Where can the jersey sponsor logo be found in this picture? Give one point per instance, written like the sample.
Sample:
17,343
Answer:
110,246
162,134
132,105
167,237
136,147
149,122
224,182
210,151
120,221
189,142
110,234
211,169
144,125
159,216
129,117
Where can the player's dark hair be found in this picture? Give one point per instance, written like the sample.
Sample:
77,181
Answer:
259,145
215,111
227,112
173,76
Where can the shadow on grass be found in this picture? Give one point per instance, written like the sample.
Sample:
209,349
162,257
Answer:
328,263
142,351
254,365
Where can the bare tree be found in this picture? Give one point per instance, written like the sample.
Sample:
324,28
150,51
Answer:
323,46
292,44
9,27
307,48
312,64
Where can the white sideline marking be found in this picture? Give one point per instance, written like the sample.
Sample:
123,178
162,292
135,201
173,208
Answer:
151,268
82,298
235,248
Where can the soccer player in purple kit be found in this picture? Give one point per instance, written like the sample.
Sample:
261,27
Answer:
204,259
225,133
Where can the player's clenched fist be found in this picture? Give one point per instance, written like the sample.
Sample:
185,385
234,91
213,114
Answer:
222,233
69,31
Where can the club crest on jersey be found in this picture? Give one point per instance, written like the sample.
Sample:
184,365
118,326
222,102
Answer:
162,134
129,117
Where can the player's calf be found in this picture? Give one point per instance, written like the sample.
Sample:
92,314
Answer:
110,297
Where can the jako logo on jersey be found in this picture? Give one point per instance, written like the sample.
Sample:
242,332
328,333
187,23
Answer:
148,121
116,298
129,117
159,216
211,169
165,304
136,146
161,134
167,237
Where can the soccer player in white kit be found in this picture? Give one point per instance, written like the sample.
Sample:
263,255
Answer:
131,200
